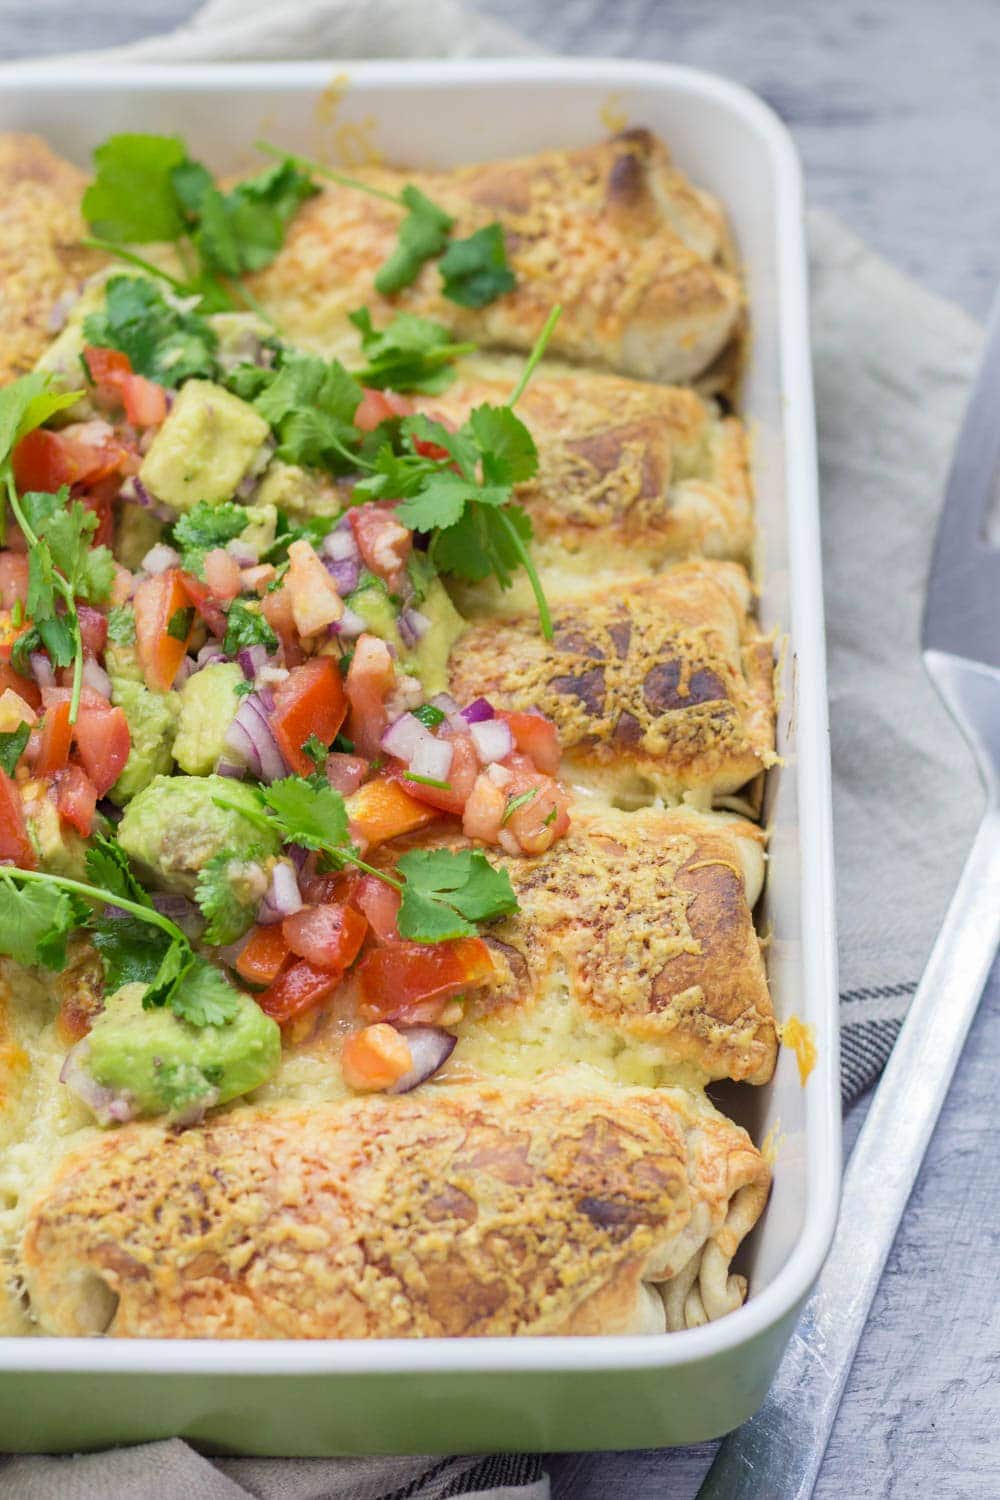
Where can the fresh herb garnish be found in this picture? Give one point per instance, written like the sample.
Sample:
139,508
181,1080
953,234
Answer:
163,341
204,527
246,627
121,625
226,900
443,786
147,189
429,716
515,802
312,529
409,354
12,745
444,892
38,912
316,751
60,562
473,271
179,624
310,405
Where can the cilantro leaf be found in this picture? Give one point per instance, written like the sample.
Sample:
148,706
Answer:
474,271
480,544
441,502
121,625
310,812
429,715
179,624
316,751
203,996
25,404
41,597
204,527
422,235
246,627
131,950
35,923
310,405
162,342
109,868
446,892
242,230
409,354
174,964
226,901
12,744
509,455
132,198
60,639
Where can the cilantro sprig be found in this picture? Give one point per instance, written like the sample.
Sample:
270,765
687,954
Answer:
38,911
408,354
445,893
474,271
165,342
62,565
465,500
148,189
205,527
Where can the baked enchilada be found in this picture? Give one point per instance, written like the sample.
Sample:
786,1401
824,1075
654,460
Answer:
378,664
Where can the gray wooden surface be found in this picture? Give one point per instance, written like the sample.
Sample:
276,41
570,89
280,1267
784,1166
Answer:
896,109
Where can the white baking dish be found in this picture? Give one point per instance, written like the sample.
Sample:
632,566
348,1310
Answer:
438,1395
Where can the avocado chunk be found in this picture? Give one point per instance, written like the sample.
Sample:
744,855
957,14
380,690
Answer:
152,718
209,443
152,1063
261,528
174,827
208,706
298,492
428,659
60,850
136,532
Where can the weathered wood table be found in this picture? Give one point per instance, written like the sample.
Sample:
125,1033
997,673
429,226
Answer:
896,110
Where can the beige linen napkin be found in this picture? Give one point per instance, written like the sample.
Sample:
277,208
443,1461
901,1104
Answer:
892,366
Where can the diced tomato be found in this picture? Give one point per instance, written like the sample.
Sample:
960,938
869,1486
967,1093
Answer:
381,810
402,982
384,542
461,778
297,990
380,904
222,574
378,406
15,845
100,498
309,702
24,687
482,817
536,737
316,604
93,628
279,614
329,936
45,460
370,679
200,595
158,602
89,697
13,578
103,742
263,956
375,1057
537,823
54,739
144,401
76,798
345,773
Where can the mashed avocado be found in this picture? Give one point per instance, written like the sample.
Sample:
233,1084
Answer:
152,718
164,1066
428,659
173,827
208,706
207,445
136,531
261,527
298,492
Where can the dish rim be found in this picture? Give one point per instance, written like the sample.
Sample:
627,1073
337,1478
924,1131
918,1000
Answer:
251,1358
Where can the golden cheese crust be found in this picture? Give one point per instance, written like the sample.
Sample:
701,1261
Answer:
661,687
614,232
640,922
41,259
459,1212
631,475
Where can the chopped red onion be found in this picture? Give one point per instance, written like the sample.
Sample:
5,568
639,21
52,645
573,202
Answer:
446,703
252,741
242,552
270,674
210,652
107,1106
493,740
159,558
186,669
282,898
345,773
230,768
94,676
251,659
478,711
134,489
430,1048
340,546
298,854
403,737
432,758
42,669
413,626
345,574
181,911
350,624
